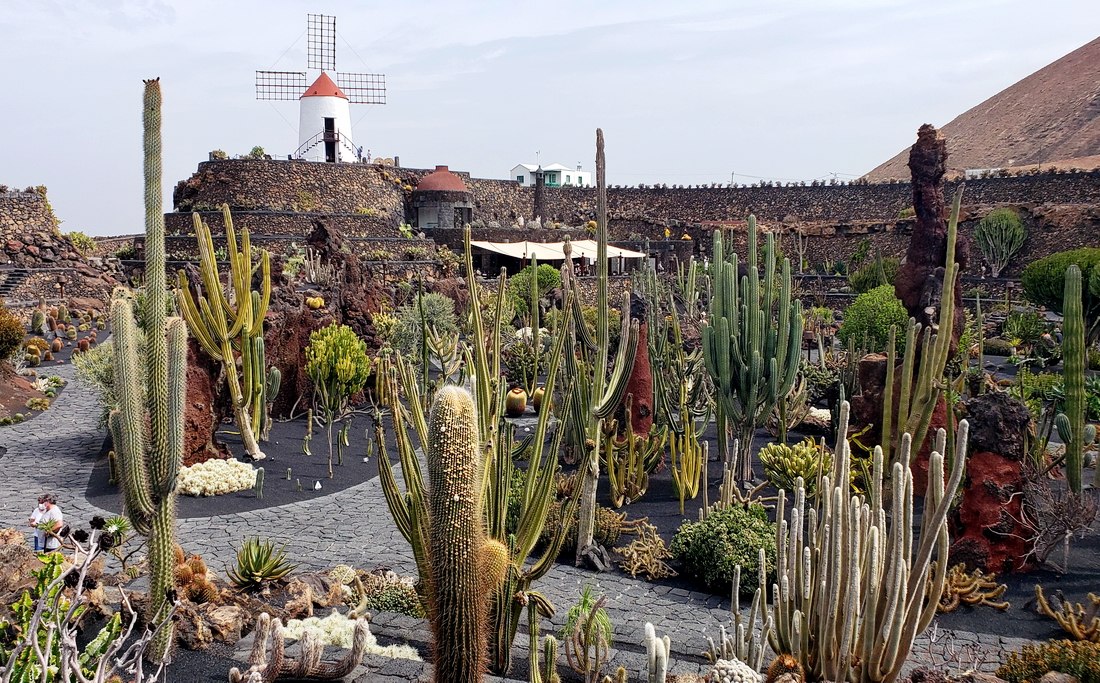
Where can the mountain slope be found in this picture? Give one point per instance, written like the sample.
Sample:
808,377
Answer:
1052,115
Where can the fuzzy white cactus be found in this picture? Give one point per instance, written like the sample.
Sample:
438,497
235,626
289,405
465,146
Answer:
733,671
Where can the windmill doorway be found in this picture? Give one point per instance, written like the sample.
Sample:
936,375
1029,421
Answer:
330,140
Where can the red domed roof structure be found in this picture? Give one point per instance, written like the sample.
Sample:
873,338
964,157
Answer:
441,180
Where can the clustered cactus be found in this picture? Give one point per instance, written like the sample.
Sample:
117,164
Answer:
230,325
752,358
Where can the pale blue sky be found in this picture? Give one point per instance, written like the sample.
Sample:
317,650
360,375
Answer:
686,91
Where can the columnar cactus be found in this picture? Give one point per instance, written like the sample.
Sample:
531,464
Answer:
147,426
229,325
752,357
851,585
466,566
1073,358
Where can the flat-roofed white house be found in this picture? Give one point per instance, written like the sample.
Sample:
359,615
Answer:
555,175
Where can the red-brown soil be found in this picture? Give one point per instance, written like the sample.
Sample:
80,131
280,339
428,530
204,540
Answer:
1052,115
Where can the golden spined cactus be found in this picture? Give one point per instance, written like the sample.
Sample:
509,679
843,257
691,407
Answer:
1080,621
465,565
970,588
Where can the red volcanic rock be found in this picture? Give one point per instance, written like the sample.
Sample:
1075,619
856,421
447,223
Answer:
202,415
639,386
986,523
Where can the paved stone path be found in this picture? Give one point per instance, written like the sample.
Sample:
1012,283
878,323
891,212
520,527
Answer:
55,452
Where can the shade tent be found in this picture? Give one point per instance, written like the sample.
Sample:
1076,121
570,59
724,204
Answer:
553,251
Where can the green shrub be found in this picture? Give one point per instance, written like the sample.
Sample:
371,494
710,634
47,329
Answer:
881,271
519,285
709,550
995,346
1094,359
81,242
872,314
1076,658
338,366
519,357
11,334
1025,326
439,314
1044,280
999,236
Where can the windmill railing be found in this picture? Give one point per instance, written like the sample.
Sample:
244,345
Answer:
326,137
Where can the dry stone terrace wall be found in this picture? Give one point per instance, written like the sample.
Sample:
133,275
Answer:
291,224
274,197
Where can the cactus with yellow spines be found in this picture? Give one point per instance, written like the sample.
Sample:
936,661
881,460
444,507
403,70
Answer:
466,566
230,324
147,425
400,386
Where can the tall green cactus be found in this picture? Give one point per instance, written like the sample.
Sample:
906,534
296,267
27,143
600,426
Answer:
231,325
466,566
752,357
149,458
1073,359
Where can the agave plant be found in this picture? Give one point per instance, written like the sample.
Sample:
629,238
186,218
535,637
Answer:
259,562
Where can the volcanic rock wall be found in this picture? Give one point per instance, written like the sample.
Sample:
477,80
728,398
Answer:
29,240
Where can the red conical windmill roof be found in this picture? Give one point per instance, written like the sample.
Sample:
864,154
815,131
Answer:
324,87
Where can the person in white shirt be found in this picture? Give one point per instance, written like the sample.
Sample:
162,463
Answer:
49,524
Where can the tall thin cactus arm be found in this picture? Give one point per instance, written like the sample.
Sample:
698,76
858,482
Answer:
150,458
230,324
1074,360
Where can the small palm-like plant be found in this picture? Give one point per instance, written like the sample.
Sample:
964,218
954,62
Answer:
259,562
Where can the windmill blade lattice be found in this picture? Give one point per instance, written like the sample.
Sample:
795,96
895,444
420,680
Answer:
363,88
280,85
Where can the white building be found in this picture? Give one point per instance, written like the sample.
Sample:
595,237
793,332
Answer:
324,123
555,175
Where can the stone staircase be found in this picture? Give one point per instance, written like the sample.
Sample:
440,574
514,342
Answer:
10,279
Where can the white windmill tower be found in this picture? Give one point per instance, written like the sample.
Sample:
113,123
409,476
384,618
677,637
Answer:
324,120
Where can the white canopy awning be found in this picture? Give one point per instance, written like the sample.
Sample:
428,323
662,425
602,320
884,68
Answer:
553,251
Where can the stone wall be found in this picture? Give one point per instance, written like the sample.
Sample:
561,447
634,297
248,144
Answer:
1061,210
29,239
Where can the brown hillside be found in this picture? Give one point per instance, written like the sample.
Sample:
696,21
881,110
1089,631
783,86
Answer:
1053,114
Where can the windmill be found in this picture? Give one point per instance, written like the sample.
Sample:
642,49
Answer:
324,122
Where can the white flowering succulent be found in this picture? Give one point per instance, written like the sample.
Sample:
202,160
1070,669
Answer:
733,671
336,629
216,477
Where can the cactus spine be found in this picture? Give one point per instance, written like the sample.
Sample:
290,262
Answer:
1073,358
229,325
752,358
465,565
149,460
